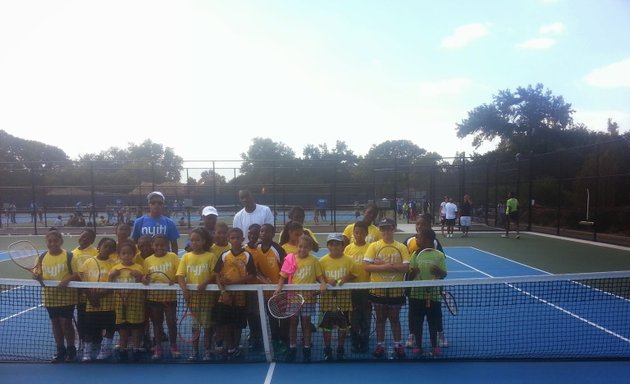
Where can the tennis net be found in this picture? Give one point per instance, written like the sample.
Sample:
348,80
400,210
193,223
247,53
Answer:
572,316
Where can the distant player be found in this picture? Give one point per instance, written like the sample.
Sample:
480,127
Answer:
511,213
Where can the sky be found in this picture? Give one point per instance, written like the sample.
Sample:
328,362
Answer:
207,77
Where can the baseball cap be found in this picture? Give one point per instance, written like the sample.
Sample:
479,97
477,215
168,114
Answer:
334,237
155,193
209,210
386,222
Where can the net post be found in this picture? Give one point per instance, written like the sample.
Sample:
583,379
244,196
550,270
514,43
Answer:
263,324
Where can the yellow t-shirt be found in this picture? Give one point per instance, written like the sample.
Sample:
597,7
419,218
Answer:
55,267
97,270
219,249
166,264
307,272
396,252
197,268
235,267
289,248
335,269
373,233
268,261
79,257
357,253
132,299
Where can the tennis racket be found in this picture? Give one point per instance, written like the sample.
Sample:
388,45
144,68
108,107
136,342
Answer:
389,254
285,304
188,327
124,276
450,302
159,277
263,279
24,254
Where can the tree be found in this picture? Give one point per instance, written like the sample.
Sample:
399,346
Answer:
260,160
523,120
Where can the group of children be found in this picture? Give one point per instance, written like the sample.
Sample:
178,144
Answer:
225,259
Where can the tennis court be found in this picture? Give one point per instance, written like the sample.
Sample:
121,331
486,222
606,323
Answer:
532,323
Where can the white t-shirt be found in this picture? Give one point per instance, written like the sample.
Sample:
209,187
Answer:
261,215
451,211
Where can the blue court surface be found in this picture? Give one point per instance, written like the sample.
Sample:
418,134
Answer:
462,262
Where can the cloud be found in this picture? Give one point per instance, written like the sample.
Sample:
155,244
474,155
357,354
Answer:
537,43
615,75
448,87
552,29
466,34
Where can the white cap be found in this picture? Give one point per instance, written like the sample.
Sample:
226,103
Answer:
155,193
209,210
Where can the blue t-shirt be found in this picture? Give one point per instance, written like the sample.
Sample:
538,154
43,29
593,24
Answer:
147,225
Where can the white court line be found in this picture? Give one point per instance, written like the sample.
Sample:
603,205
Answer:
565,311
19,313
12,289
269,376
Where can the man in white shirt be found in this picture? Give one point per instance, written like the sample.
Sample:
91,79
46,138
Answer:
450,210
251,213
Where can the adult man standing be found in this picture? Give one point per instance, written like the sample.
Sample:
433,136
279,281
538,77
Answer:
251,213
511,213
155,223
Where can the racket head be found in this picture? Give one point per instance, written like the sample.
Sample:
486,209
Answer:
186,326
159,277
24,254
89,269
389,254
285,304
450,302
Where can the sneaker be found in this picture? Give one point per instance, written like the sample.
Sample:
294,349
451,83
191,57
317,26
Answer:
105,352
436,351
328,354
442,342
416,350
157,353
411,341
340,353
306,354
71,355
234,353
518,236
504,236
87,352
193,356
291,353
379,352
399,352
60,355
207,355
175,353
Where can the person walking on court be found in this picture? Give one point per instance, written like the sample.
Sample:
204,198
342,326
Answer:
511,213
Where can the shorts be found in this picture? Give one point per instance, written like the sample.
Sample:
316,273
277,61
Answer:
450,222
97,321
513,216
161,305
64,312
129,326
465,221
230,315
385,300
333,319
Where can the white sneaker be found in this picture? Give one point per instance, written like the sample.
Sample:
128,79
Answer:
87,352
442,342
504,236
411,341
518,236
105,352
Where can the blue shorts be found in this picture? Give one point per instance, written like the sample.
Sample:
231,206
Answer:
465,221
